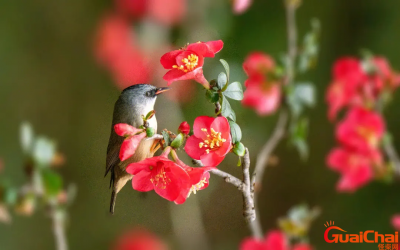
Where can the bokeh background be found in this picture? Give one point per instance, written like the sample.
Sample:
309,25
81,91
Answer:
49,76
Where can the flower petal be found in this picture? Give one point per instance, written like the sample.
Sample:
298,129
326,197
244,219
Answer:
169,59
200,123
221,124
141,182
123,129
212,159
129,146
192,147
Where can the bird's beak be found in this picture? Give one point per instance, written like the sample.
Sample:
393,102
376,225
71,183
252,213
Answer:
161,90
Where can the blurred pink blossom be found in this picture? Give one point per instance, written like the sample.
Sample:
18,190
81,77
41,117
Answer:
139,239
240,6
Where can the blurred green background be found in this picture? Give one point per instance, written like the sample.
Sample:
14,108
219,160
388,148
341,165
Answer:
49,77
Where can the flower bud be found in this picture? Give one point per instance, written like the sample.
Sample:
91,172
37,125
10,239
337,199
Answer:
149,132
239,149
178,141
184,128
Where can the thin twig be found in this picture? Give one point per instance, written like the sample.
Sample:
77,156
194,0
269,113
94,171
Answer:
267,149
280,128
229,178
393,156
59,231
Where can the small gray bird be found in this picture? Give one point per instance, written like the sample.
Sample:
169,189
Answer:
134,102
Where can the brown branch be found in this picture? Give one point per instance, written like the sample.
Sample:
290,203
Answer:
268,148
244,186
280,128
59,230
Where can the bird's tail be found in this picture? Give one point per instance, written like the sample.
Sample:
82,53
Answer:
112,201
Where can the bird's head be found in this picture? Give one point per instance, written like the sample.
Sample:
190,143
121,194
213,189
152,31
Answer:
142,95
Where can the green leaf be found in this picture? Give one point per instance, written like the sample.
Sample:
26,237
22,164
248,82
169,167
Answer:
299,131
236,132
226,109
300,95
305,92
178,141
226,66
212,96
52,182
234,91
310,48
150,115
222,80
166,137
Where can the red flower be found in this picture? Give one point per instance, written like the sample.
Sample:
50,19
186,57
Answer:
211,140
167,12
261,95
274,240
187,63
167,178
348,76
199,179
385,76
184,128
356,168
240,6
139,239
133,137
258,63
361,130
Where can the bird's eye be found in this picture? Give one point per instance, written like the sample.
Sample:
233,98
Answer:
148,93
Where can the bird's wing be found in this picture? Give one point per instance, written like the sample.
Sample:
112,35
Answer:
114,145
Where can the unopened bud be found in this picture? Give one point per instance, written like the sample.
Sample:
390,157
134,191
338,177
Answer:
150,132
184,128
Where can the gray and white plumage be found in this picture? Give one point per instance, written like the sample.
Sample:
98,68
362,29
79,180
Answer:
133,103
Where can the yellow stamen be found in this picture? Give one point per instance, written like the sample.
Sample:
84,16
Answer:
191,62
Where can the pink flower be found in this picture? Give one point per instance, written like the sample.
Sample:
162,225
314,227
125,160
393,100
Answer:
132,8
258,63
361,130
274,240
165,177
356,168
211,140
139,239
184,128
263,96
199,180
348,77
385,76
240,6
187,63
133,138
167,12
396,222
116,49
